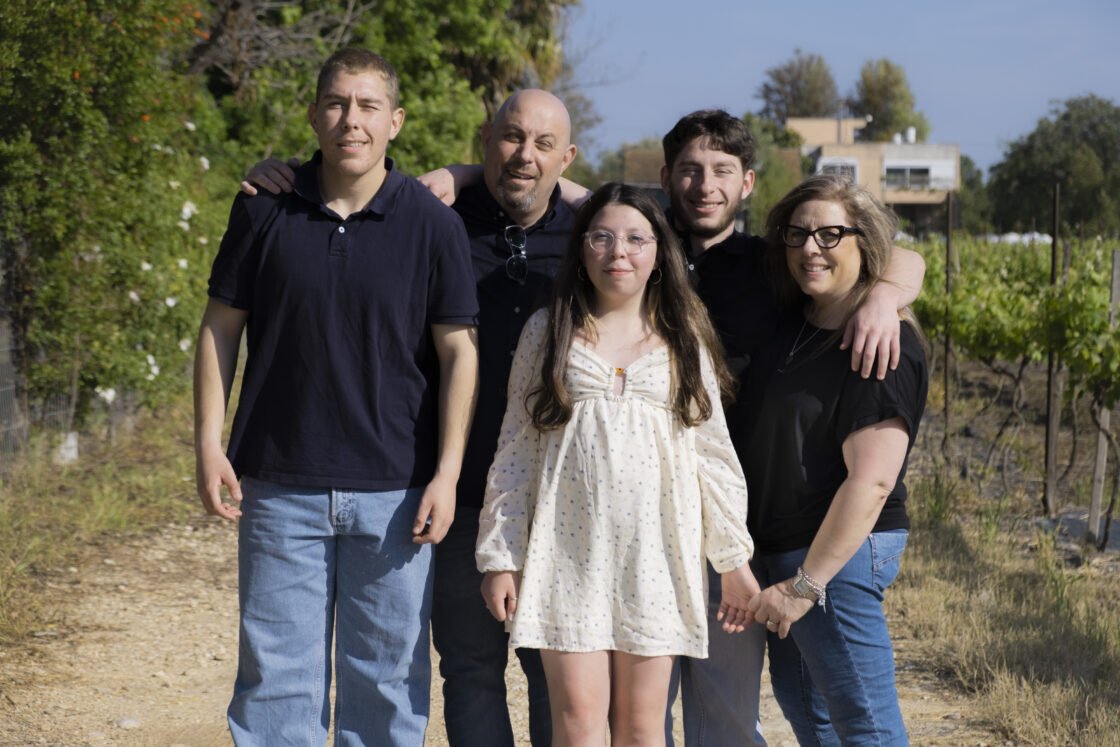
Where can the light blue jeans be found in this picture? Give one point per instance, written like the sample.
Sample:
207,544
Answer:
312,562
833,675
719,695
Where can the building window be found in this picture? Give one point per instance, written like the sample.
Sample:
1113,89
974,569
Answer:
907,178
846,169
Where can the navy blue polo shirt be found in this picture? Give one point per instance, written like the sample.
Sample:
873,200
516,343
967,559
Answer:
341,383
732,280
504,306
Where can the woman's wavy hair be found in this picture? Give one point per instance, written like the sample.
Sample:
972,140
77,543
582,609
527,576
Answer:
675,312
877,226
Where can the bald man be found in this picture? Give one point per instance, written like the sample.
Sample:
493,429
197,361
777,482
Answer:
518,228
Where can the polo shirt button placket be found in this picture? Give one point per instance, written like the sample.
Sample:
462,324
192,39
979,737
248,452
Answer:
339,243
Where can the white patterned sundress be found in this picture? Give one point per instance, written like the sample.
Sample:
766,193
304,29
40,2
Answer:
610,518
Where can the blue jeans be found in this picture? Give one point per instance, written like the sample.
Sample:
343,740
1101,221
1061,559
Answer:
833,675
719,695
473,649
312,561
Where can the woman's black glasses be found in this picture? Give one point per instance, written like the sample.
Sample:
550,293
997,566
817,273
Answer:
826,236
517,266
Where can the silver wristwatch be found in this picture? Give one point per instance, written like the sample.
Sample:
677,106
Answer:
806,588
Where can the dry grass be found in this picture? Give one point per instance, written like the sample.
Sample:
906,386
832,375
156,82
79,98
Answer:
1005,614
49,514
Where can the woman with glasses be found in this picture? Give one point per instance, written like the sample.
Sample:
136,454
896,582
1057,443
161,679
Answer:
824,452
615,479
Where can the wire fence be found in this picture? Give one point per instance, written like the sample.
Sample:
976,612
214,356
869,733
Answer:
18,422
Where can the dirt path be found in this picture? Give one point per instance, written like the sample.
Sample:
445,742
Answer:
143,652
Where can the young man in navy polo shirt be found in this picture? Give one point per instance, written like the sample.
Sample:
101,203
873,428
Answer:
356,402
518,229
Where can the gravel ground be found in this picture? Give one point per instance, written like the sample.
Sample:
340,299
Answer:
142,651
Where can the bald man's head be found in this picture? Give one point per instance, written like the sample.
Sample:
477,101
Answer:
528,146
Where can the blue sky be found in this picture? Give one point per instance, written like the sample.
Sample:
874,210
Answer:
982,71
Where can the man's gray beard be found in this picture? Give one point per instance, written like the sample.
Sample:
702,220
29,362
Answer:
516,203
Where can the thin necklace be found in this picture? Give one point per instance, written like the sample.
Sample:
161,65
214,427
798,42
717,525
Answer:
798,344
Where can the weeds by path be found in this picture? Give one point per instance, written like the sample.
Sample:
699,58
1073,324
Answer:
51,514
1033,630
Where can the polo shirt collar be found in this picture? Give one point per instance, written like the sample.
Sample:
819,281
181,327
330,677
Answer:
477,202
383,203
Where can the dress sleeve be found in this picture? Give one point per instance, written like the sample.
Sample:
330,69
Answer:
507,509
723,488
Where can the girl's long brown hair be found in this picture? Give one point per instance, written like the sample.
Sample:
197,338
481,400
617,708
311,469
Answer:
675,311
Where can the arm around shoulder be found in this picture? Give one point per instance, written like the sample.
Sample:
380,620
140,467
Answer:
873,332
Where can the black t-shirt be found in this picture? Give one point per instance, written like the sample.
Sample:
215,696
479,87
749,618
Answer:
504,307
341,382
794,419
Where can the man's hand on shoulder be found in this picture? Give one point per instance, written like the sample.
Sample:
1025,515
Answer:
272,175
440,183
874,333
446,183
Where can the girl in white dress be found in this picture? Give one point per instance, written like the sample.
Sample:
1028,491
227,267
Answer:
615,480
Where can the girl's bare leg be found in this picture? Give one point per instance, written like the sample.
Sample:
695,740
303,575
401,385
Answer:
638,688
579,690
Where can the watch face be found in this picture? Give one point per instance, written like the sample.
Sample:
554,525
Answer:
804,591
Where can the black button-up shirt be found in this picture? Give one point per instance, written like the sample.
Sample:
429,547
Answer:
504,306
733,282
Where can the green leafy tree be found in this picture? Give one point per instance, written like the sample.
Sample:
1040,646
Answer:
94,239
975,206
884,93
457,61
1077,147
800,87
777,166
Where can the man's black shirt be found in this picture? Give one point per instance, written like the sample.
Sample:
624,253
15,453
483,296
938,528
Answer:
504,306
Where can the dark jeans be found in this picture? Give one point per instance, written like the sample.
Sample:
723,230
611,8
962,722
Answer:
473,650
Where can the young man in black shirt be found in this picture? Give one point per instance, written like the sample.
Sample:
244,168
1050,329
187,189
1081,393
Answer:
518,229
355,406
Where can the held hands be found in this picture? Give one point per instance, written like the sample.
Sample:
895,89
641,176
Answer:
779,607
873,333
271,174
499,590
212,470
737,588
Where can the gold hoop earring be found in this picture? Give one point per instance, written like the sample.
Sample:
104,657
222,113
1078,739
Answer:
659,276
581,273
